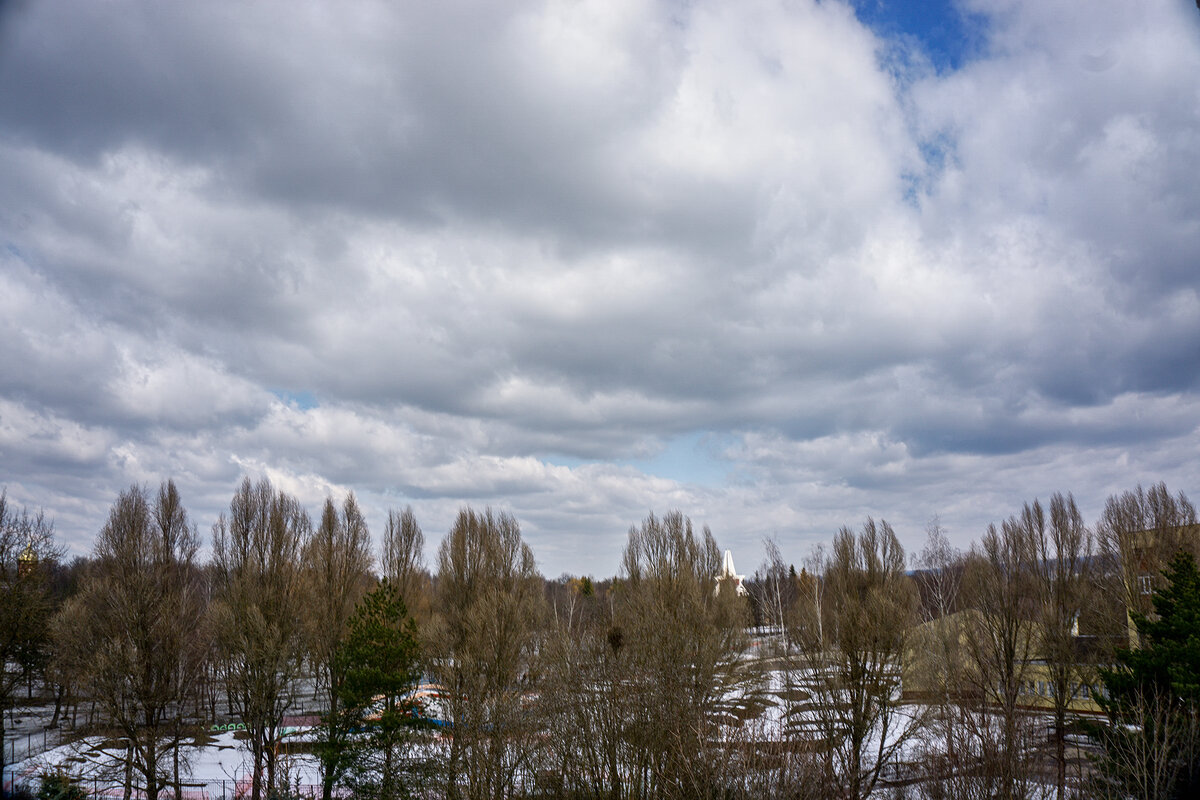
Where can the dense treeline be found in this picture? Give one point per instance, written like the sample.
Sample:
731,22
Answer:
940,674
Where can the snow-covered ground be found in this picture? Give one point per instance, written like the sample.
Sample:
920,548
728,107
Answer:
218,769
27,731
775,708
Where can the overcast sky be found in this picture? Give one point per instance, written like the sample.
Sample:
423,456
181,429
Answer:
778,265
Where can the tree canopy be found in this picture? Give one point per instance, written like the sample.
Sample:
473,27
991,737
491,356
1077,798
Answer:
1152,744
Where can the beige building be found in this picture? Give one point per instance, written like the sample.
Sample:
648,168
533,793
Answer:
1143,557
938,663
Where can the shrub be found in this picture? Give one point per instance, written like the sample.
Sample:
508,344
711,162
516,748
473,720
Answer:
60,786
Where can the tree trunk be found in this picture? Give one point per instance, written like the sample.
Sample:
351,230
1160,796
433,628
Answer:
333,754
452,766
1060,750
269,751
59,691
386,783
175,756
1010,753
128,770
2,751
257,775
152,769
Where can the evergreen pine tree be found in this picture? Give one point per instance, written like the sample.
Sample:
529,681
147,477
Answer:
370,738
1152,742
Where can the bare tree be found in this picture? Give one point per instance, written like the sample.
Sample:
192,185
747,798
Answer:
1141,756
587,708
757,764
786,602
259,614
1064,567
139,622
337,566
775,590
1002,594
684,633
869,609
66,581
938,654
1140,531
403,562
26,549
942,566
483,645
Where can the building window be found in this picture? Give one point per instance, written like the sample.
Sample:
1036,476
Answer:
1144,584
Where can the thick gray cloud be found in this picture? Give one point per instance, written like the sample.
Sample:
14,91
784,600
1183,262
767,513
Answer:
583,261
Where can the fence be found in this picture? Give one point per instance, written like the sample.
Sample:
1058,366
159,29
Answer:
23,746
190,790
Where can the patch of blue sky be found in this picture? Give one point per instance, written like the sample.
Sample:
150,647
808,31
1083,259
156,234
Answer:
948,34
303,400
695,458
937,152
560,460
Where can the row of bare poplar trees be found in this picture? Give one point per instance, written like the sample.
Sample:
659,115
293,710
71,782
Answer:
653,684
964,674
